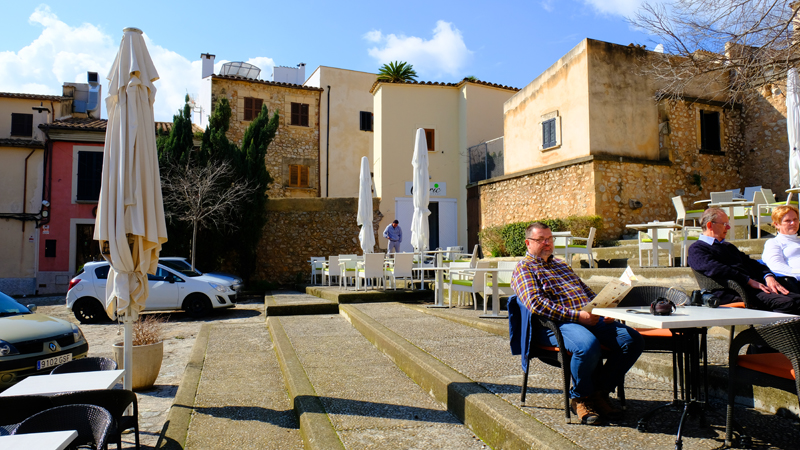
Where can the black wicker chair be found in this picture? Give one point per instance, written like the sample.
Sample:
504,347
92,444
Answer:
115,401
16,408
85,365
713,285
783,336
556,357
92,423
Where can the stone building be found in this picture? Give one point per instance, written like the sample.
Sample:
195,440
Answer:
587,137
293,156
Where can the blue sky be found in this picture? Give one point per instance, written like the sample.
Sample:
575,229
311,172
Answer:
505,42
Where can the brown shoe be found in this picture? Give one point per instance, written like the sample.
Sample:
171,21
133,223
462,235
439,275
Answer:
603,405
583,408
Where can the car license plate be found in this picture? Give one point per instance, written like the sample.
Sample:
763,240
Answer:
54,361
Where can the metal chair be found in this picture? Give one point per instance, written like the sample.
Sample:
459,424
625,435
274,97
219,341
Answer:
403,263
783,336
503,283
347,269
16,408
722,197
683,214
115,401
85,365
577,249
373,268
711,284
316,268
92,423
330,270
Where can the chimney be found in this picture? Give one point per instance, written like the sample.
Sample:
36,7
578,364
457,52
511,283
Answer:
301,73
208,64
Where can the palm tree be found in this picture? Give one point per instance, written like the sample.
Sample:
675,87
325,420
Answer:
397,72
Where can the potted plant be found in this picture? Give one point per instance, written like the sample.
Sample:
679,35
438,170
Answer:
148,351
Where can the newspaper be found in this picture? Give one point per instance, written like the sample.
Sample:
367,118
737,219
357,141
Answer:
614,292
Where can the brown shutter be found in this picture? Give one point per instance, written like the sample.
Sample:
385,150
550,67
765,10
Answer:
304,114
257,104
294,175
248,108
295,114
429,137
303,176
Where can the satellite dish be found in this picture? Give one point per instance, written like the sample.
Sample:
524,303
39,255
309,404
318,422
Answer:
659,48
240,69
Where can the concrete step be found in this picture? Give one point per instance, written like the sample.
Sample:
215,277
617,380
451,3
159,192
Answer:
355,397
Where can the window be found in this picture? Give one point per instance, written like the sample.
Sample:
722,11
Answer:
298,175
300,114
549,133
50,248
21,124
430,136
709,131
101,273
365,121
252,106
90,174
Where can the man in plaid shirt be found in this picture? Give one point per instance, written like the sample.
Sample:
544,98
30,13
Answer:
549,287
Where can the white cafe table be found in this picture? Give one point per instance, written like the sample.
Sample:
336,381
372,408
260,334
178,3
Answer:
495,288
439,270
791,191
651,228
51,440
65,382
688,325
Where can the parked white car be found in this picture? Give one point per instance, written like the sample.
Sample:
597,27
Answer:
182,265
170,289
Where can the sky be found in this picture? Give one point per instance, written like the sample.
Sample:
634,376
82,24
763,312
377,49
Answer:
505,42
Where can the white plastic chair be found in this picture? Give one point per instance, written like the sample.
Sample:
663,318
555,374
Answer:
317,264
761,212
331,269
750,192
664,242
741,218
722,197
403,262
372,268
683,214
577,249
454,253
687,236
737,193
347,269
465,282
503,283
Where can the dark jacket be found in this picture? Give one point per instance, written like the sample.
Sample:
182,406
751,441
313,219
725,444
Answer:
723,261
519,330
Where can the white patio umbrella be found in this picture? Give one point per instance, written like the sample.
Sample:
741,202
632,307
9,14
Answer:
793,126
367,235
130,214
421,192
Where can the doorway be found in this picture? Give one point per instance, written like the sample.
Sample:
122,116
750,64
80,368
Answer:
87,249
433,225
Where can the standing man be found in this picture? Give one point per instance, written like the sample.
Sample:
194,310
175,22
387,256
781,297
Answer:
548,287
395,236
719,260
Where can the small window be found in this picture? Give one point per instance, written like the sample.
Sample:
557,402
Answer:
365,122
90,175
21,125
50,248
549,133
298,175
430,136
252,106
300,114
102,272
709,131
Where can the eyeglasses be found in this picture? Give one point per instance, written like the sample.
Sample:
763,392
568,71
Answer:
727,224
541,241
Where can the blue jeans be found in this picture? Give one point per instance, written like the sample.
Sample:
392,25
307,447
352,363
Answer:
394,247
623,343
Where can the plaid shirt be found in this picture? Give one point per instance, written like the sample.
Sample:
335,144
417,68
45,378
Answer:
550,288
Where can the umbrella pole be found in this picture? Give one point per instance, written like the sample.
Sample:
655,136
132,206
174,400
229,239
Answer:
127,359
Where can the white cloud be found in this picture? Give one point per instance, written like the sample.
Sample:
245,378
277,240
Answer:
625,8
547,5
64,53
445,53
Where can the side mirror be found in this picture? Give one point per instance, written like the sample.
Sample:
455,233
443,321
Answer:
171,278
32,307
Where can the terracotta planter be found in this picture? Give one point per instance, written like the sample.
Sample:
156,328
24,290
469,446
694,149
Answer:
146,363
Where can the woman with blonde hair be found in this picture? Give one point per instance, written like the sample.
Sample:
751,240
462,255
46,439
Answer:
782,253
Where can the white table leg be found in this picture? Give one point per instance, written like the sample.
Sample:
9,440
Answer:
654,237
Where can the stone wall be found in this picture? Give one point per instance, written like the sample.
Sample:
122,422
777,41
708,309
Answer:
298,229
766,155
292,144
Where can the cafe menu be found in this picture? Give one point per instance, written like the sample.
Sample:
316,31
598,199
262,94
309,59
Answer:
614,292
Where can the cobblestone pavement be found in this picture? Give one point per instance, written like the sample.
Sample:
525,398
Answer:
180,332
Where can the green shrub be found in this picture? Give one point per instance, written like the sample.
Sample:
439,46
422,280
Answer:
509,239
580,225
492,242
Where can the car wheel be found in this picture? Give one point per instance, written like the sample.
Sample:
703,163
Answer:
89,310
197,305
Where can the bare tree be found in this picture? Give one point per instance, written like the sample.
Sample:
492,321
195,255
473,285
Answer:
721,48
204,196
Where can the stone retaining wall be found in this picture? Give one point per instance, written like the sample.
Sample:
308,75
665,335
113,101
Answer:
300,228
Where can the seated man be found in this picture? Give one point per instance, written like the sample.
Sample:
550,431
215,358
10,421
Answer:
548,287
720,260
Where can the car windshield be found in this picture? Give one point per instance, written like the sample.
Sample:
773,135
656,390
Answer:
180,266
10,307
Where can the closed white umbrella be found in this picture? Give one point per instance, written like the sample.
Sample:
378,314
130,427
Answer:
793,126
421,192
130,213
367,235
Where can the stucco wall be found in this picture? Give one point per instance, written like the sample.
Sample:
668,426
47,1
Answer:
292,144
341,160
298,229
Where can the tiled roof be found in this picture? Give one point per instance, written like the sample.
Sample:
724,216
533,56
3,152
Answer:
437,83
76,124
166,127
21,143
57,98
269,83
